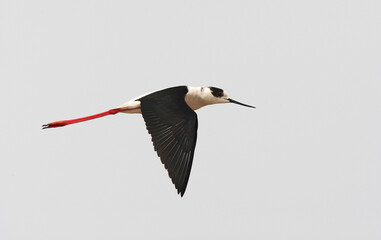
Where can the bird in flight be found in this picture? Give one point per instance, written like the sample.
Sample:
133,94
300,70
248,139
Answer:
170,119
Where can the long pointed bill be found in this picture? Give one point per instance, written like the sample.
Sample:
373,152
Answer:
234,101
77,120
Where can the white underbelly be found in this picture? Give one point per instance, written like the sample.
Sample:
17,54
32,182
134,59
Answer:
131,106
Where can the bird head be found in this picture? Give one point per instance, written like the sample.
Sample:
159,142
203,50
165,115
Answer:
215,95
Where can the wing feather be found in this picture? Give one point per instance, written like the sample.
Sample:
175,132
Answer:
173,128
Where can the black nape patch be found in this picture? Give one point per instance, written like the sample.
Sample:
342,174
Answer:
217,92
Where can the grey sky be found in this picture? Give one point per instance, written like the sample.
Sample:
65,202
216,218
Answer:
304,165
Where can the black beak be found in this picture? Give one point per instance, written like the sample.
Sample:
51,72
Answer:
234,101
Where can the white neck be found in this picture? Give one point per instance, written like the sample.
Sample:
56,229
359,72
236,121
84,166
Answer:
194,98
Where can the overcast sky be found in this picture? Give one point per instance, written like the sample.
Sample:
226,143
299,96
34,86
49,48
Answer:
305,164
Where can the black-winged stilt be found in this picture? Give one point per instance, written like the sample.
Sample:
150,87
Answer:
170,119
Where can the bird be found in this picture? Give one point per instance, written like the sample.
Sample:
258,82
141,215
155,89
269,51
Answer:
171,120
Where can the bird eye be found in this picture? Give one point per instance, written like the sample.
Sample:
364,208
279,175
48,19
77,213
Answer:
217,92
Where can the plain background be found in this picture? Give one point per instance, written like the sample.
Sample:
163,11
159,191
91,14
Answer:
306,164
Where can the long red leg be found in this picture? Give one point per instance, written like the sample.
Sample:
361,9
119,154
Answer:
77,120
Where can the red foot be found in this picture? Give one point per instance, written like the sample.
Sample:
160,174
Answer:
54,124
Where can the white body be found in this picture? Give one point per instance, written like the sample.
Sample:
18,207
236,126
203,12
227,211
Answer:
197,97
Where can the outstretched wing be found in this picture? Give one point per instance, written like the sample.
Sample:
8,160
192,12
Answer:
173,127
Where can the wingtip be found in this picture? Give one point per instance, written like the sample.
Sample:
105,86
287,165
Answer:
182,192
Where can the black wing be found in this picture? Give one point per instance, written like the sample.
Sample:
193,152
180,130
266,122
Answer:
173,127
